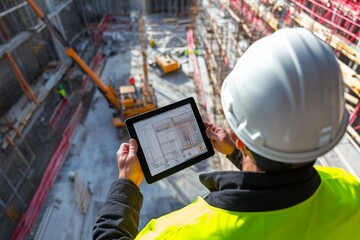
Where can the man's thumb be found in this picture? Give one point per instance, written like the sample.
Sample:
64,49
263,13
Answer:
133,146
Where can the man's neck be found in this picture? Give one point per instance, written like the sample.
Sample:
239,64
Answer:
248,165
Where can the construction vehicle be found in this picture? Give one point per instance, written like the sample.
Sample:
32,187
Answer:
165,64
127,101
132,102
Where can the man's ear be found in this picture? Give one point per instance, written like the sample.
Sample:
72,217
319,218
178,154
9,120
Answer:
239,144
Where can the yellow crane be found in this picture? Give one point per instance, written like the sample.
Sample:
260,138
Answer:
126,100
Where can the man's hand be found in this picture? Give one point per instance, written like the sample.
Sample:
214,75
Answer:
219,138
128,163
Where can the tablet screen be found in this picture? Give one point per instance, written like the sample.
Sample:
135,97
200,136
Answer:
170,139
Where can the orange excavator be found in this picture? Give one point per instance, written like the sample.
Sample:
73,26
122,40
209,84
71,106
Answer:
126,100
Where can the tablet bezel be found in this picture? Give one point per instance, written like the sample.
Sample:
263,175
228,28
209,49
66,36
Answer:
143,163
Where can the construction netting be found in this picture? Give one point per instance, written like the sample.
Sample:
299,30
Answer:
94,10
43,98
31,166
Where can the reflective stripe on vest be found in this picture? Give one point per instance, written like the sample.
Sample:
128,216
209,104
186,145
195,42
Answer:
333,212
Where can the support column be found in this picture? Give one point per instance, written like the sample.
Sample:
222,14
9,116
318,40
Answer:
23,83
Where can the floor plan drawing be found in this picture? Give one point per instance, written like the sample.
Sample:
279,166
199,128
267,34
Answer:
170,139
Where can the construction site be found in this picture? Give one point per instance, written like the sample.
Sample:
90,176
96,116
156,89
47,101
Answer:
71,72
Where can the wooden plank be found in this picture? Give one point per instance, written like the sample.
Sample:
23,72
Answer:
353,134
350,108
233,15
82,193
351,98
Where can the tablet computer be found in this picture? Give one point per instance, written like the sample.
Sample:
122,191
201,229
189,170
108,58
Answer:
170,139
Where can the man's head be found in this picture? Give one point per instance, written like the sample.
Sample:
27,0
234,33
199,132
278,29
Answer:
284,98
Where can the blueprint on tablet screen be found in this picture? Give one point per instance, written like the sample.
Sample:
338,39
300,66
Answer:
170,138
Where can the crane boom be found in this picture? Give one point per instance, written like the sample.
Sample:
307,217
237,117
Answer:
109,93
126,107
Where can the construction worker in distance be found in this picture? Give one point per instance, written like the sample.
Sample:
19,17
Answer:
187,53
132,81
61,91
285,106
196,52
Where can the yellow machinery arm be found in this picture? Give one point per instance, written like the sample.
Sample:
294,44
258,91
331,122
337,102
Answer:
109,92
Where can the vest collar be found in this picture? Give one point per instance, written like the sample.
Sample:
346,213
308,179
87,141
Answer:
253,192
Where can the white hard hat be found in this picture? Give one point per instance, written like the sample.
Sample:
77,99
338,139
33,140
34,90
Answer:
285,97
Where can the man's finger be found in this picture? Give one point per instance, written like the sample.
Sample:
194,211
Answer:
133,147
210,134
124,149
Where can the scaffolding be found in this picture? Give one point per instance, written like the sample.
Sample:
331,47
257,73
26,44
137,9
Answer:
170,7
36,125
228,27
33,119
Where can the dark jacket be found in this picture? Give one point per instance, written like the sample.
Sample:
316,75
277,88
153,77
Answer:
235,191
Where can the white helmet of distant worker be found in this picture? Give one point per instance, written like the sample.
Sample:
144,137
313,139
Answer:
285,97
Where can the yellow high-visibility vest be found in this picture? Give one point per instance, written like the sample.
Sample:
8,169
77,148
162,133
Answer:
62,92
332,212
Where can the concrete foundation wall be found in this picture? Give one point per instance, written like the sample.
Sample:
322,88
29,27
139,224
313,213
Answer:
26,154
93,10
171,7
